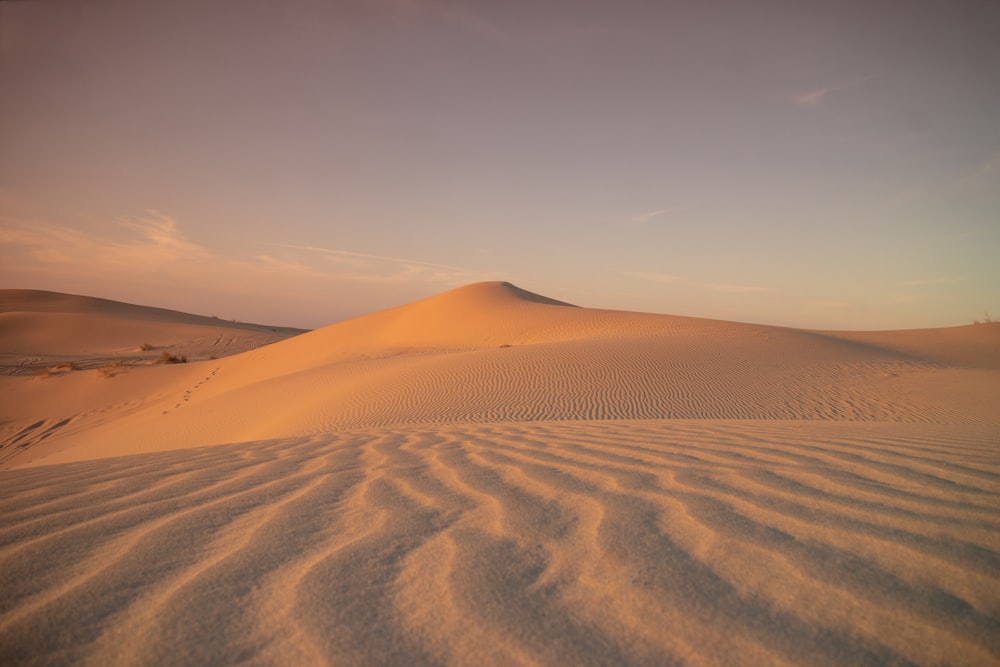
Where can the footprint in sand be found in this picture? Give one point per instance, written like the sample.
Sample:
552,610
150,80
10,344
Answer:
190,392
31,435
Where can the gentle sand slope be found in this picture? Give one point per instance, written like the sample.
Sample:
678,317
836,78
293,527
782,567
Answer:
491,477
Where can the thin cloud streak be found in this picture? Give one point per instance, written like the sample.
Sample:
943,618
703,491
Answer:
974,178
350,254
925,282
155,241
643,218
736,289
715,287
155,246
817,97
653,277
148,259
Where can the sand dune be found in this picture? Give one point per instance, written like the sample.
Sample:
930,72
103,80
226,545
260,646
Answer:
39,330
492,477
493,353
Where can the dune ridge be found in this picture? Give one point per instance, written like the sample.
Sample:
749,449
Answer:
489,476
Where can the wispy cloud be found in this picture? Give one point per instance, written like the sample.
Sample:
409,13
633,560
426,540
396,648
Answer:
925,282
826,304
643,218
149,242
715,287
154,245
736,289
979,176
654,277
387,269
897,299
149,259
818,96
976,176
907,195
353,255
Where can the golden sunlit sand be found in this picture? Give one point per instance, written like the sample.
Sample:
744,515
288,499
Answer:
489,476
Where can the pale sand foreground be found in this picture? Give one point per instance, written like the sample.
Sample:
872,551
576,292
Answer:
614,488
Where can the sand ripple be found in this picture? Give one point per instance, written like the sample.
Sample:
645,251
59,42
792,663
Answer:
645,542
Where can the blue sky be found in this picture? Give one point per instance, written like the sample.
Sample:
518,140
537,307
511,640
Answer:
818,164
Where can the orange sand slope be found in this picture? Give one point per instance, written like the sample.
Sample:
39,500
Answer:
39,330
491,352
492,477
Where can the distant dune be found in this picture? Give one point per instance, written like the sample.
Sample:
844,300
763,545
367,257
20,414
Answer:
39,330
489,476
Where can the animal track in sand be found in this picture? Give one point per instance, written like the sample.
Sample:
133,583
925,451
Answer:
31,435
188,393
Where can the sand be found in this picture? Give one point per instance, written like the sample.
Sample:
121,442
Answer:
492,477
40,331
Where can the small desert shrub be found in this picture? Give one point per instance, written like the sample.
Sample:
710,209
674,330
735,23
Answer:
58,369
114,369
168,358
145,347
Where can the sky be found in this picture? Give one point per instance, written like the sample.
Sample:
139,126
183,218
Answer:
808,163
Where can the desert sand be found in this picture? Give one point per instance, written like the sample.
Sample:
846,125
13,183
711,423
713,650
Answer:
41,331
489,476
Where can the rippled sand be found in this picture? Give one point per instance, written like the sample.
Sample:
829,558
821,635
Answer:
611,489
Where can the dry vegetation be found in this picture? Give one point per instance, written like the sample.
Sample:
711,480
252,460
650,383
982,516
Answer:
114,369
170,358
58,369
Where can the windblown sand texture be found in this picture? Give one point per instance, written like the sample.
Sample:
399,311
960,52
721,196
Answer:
493,477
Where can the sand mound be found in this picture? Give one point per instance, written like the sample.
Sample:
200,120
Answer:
39,330
441,361
492,477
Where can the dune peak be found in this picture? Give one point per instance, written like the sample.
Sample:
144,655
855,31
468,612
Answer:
496,290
